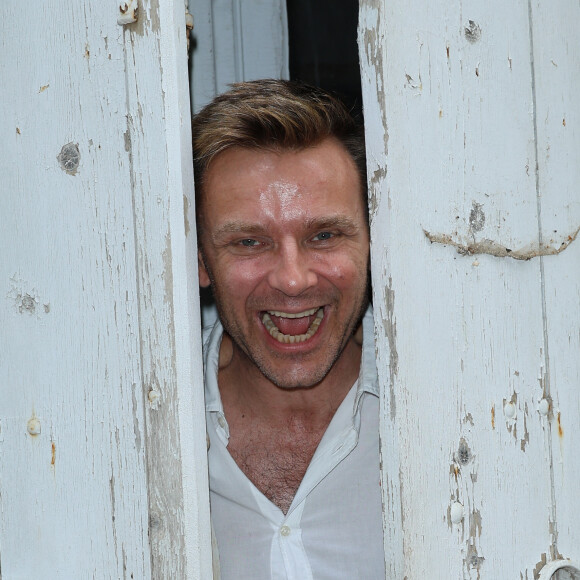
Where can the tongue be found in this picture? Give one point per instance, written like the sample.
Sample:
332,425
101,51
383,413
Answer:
293,326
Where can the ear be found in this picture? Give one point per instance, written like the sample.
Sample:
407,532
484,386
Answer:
204,279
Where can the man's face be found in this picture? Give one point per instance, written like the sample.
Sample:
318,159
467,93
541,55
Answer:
285,249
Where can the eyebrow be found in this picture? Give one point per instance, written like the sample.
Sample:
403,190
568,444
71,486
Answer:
235,227
341,222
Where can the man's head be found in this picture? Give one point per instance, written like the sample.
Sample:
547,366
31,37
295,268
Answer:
283,228
272,114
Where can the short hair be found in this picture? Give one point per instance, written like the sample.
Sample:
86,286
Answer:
276,115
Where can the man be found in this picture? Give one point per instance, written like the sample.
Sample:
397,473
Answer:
291,388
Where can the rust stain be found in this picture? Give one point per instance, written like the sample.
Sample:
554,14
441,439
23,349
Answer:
53,459
43,88
560,430
493,417
564,122
454,470
447,48
18,131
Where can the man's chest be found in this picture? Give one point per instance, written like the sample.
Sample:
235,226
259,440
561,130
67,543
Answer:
274,463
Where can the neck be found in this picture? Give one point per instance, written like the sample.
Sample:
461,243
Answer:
247,392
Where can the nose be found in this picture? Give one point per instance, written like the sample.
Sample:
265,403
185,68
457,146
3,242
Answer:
292,273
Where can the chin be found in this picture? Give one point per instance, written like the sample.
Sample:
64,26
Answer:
291,379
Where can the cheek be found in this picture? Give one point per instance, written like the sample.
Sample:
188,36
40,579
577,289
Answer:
241,275
348,270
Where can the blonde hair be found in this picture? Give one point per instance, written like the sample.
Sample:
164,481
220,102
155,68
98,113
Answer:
274,115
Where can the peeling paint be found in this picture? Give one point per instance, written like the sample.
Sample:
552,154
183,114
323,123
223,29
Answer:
136,430
476,217
475,523
464,455
526,438
69,158
473,560
372,49
472,32
168,270
27,303
374,187
390,327
510,414
186,205
540,565
498,250
26,299
127,139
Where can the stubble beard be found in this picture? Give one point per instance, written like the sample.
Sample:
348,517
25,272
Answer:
259,359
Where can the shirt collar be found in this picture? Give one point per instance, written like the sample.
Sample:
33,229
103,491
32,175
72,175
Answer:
367,380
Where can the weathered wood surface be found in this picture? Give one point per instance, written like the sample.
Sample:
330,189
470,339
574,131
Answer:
471,112
102,439
236,41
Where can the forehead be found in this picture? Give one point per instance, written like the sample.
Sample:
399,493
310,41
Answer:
281,183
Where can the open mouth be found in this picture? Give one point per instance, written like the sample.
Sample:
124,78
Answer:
292,328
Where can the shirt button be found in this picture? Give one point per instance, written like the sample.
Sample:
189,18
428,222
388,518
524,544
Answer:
221,422
285,530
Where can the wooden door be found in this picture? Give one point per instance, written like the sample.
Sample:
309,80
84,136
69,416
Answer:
103,464
473,139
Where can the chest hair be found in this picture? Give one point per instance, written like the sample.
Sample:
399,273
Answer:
274,460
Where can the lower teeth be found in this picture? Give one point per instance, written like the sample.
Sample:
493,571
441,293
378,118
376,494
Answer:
291,338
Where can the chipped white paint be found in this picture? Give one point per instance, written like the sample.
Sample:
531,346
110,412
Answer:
98,308
473,136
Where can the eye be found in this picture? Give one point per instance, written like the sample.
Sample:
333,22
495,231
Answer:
322,237
249,243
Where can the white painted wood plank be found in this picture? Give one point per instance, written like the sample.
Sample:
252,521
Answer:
236,41
185,287
557,83
202,56
170,335
264,35
73,499
100,304
447,95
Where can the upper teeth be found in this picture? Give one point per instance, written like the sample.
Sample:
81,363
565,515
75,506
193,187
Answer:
291,314
289,338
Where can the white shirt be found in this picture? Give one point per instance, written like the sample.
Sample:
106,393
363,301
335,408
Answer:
333,529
